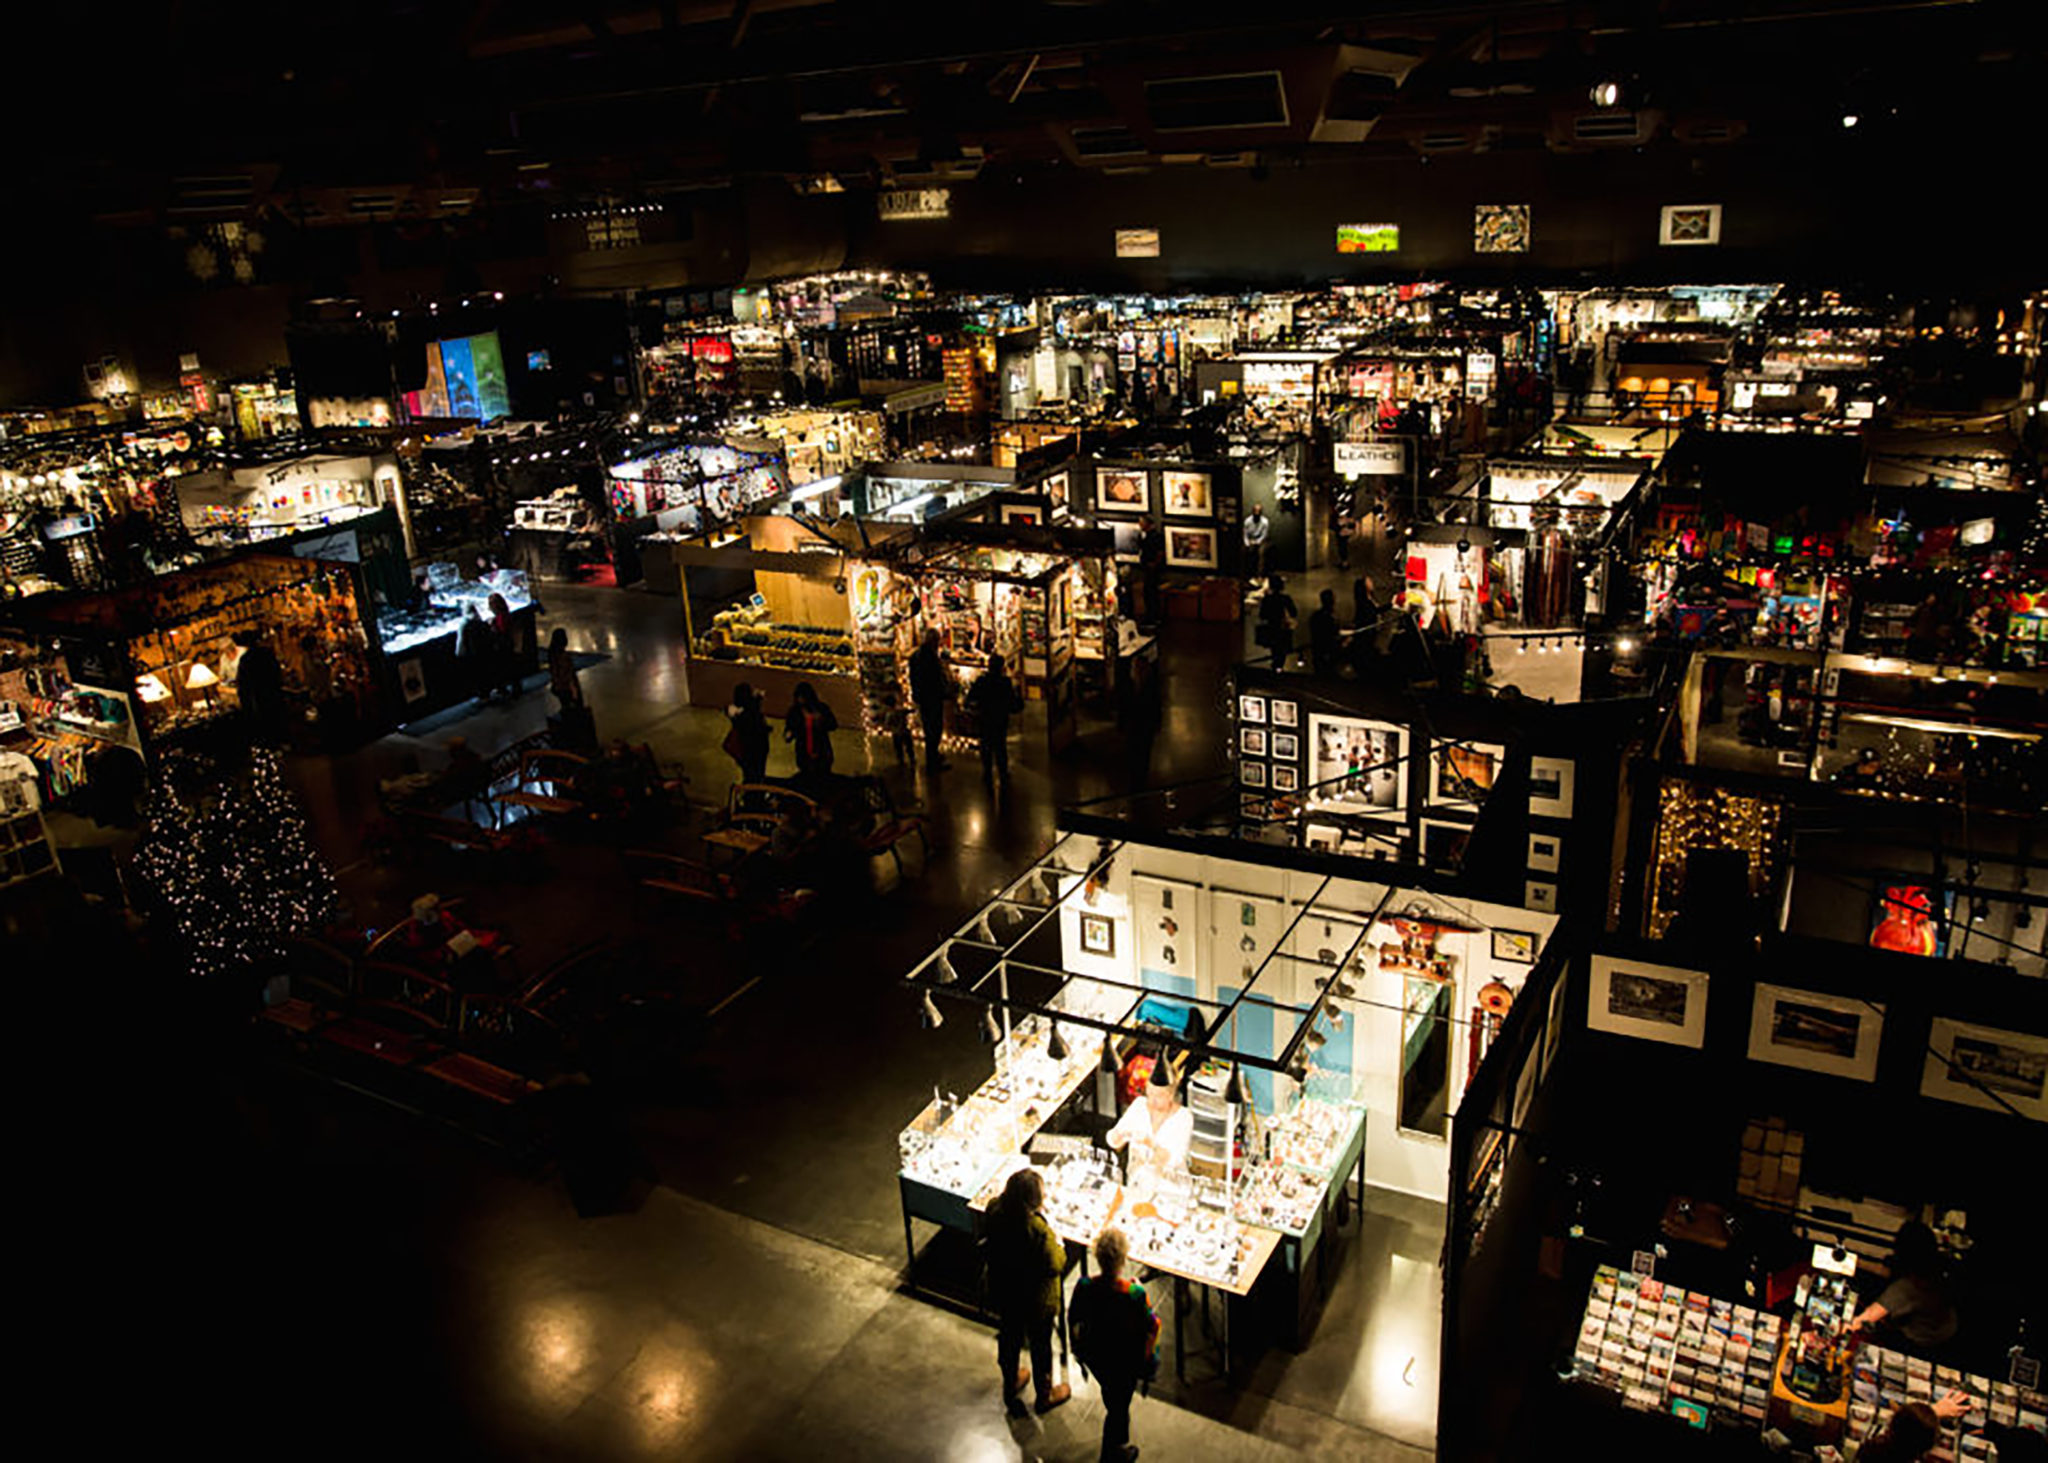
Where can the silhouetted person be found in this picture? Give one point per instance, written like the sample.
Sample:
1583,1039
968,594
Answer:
992,701
1276,622
1323,639
1151,565
1140,713
808,729
259,685
928,687
747,741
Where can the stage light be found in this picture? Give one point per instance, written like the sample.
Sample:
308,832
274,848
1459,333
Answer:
1850,119
1605,93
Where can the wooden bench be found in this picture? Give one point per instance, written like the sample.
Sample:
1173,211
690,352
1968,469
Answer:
477,1076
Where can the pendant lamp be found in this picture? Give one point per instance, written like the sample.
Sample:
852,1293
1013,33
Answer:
1237,1094
930,1014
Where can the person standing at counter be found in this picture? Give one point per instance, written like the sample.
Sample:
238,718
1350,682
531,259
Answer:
1914,1311
1026,1263
504,647
1157,1131
928,687
1116,1336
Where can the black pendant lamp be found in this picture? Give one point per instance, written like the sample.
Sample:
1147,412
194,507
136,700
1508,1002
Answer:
1056,1048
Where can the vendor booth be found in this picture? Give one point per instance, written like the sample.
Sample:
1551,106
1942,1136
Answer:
250,501
1317,1032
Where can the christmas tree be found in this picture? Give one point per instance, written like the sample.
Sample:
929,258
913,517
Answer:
235,884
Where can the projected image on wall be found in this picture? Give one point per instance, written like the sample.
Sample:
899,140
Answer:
465,378
459,367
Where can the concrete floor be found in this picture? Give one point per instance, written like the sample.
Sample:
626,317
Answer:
365,1278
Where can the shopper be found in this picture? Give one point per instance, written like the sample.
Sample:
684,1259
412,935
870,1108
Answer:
992,701
1026,1263
746,740
1151,565
929,685
1116,1337
808,728
1139,714
473,648
259,686
562,671
1914,1311
1323,638
504,648
1347,527
1912,1430
1256,532
1276,622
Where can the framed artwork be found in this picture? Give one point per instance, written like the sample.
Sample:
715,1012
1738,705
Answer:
1968,1064
1525,1090
1358,766
1137,243
1098,934
1691,223
1443,844
1545,851
1285,778
1650,1002
1187,492
1553,1027
1461,774
1251,740
1125,541
1190,548
1912,919
1252,709
1122,488
1368,238
1500,228
1286,713
1516,945
1252,774
1286,744
1250,805
1820,1033
1550,787
1055,490
1539,895
1016,513
1167,915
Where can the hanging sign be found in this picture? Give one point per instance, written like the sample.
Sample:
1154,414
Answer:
908,203
1369,459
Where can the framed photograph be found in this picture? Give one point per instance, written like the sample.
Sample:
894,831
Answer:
1691,223
1252,774
1968,1064
1187,493
1098,934
1286,744
1545,852
1821,1033
1251,741
1539,895
1461,774
1912,919
1285,778
1055,489
1137,243
1550,787
1121,488
1190,548
1525,1089
1516,945
1442,844
1500,228
1018,513
1368,238
1252,710
1650,1002
1358,766
1286,713
1250,805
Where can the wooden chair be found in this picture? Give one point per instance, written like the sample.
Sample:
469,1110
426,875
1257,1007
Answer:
752,811
544,774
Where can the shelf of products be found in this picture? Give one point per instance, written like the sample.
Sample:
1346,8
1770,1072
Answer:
745,634
1659,1346
1881,1379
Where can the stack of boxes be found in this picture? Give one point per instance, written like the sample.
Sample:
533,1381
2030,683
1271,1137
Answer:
1656,1345
1772,1157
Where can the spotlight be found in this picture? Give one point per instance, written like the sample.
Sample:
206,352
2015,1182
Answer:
929,1014
1056,1048
1625,645
1605,93
1850,119
990,1032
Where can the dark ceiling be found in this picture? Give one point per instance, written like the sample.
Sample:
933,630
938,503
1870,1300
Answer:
398,109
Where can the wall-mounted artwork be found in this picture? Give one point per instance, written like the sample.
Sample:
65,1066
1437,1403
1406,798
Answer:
1462,773
1187,492
1822,1033
1982,1066
1550,787
1358,766
1652,1002
1546,851
1368,238
1691,223
1190,548
1120,488
1500,228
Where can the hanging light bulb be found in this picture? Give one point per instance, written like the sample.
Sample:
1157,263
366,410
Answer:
1056,1047
929,1013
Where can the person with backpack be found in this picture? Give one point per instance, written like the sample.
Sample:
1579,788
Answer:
1116,1337
1026,1263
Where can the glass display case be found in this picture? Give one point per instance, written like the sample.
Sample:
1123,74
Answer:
449,597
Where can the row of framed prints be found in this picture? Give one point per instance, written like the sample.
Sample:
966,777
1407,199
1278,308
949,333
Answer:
1818,1032
1180,493
1187,546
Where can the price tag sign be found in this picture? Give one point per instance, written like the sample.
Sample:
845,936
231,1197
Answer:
2026,1371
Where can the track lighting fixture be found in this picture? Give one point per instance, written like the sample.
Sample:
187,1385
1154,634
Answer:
1237,1094
929,1014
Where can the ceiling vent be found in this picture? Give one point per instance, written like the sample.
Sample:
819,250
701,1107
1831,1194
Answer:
216,194
1214,103
1611,128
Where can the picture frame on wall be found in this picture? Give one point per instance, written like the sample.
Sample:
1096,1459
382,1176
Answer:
1442,844
1500,228
1550,787
1286,745
1650,1002
1690,224
1358,766
1540,895
1286,713
1121,489
1982,1066
1553,1028
1252,774
1020,514
1546,851
1054,486
1098,935
1187,494
1462,773
1285,778
1815,1031
1252,709
1250,805
1518,946
1251,740
1190,548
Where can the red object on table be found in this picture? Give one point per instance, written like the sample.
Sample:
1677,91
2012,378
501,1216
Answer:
1136,1074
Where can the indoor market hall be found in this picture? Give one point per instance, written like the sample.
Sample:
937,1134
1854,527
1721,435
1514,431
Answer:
1075,731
